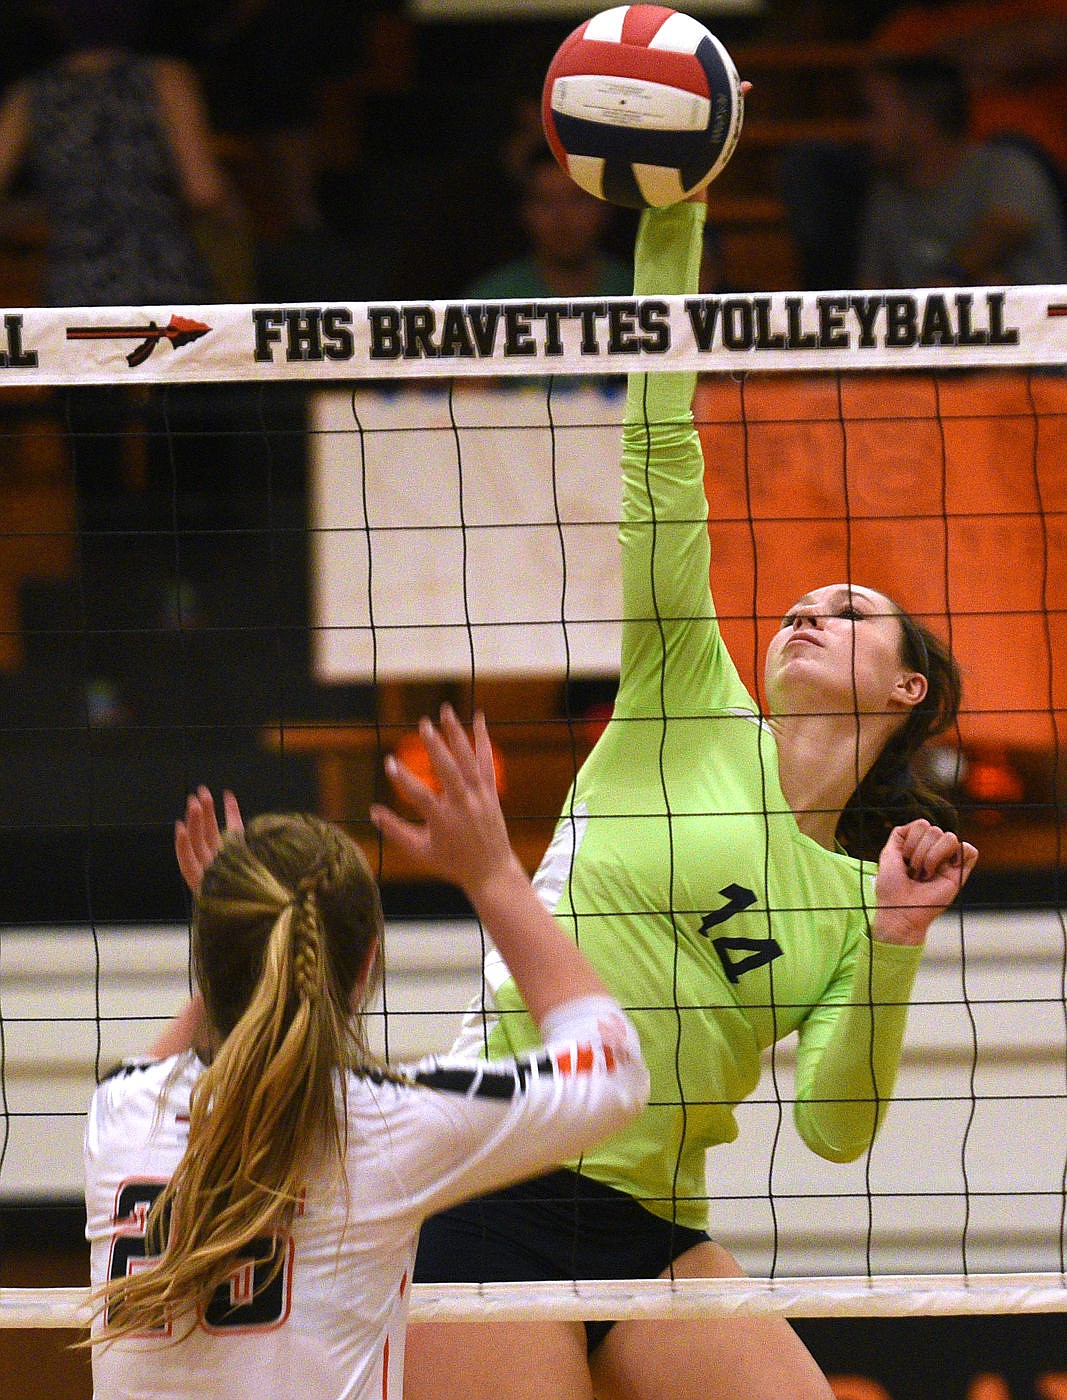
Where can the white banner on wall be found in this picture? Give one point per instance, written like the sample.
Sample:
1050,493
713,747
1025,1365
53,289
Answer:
467,534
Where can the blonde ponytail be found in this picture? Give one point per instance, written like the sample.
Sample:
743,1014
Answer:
288,922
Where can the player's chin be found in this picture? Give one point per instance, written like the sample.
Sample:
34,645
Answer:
786,667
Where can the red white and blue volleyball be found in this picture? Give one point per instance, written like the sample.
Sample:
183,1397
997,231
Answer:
642,105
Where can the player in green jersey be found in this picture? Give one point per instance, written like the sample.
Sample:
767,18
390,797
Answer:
734,878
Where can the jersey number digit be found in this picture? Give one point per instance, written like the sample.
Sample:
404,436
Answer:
757,951
128,1250
257,1293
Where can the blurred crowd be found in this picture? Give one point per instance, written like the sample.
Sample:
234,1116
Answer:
291,149
961,174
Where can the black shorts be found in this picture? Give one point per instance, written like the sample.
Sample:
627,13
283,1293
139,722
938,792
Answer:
559,1226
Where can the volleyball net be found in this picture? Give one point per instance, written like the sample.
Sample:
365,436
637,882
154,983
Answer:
250,545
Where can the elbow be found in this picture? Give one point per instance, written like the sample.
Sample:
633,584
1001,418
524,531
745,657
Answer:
846,1141
838,1152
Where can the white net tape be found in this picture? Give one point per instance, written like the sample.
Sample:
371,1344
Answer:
935,328
929,1295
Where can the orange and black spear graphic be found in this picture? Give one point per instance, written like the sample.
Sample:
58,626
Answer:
178,330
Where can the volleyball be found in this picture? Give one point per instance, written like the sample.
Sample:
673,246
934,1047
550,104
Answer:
642,105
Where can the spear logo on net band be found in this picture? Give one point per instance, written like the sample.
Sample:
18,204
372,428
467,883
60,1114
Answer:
178,331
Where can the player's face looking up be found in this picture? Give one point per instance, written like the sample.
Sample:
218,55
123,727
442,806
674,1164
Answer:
840,649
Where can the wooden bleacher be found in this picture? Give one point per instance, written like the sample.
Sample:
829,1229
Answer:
538,749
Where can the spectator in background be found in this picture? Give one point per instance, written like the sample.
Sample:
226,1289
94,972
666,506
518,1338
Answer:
565,228
1013,55
117,148
113,143
943,209
116,145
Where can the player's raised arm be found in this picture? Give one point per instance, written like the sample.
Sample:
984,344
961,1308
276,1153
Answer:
461,837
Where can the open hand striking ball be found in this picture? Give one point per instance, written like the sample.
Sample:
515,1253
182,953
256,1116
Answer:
642,105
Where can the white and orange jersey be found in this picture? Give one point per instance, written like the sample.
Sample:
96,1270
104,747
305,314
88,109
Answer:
330,1323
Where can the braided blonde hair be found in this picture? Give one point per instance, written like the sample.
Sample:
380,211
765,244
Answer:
288,925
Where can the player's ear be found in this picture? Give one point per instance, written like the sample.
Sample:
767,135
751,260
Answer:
910,689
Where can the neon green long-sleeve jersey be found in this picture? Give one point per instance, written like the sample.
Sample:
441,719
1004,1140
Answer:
677,862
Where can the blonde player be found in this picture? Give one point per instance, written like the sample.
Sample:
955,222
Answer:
255,1188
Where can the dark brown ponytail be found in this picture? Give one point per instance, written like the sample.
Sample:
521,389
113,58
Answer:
893,793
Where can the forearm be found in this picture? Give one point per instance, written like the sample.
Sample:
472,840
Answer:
660,446
666,263
546,964
844,1087
185,1032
